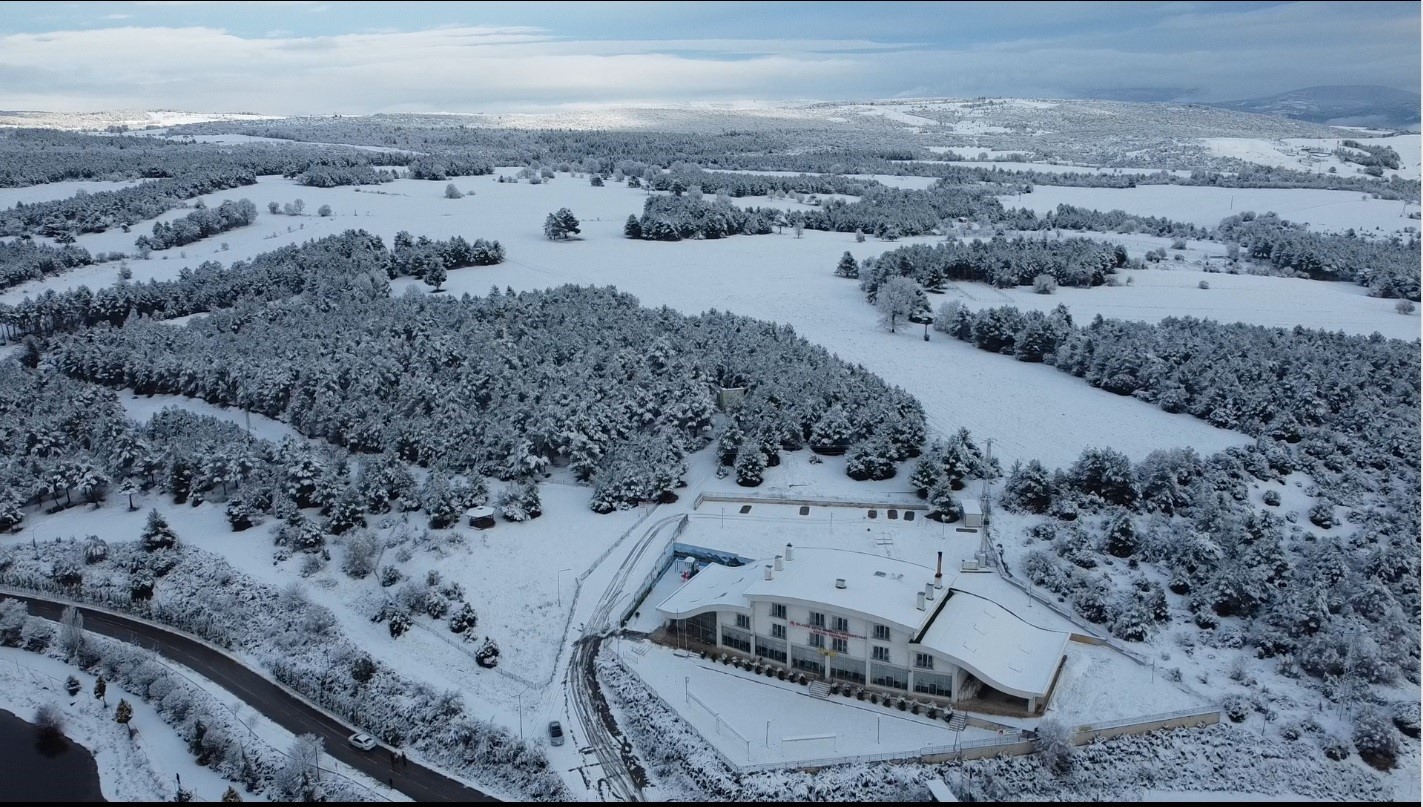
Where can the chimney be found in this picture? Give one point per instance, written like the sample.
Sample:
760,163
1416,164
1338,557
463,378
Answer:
778,563
928,591
920,604
939,573
839,582
790,552
768,572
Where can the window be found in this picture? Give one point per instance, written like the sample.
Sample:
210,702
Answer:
881,653
841,624
882,632
817,619
743,621
778,610
840,645
817,640
924,661
778,631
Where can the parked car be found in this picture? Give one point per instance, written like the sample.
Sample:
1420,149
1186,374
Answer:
365,742
555,733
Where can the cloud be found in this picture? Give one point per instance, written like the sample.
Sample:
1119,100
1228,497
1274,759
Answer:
1204,52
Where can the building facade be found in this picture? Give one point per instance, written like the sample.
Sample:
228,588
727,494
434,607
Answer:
870,621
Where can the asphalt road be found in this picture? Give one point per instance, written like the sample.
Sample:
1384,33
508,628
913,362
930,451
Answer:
416,781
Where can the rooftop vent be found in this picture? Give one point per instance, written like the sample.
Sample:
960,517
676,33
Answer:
768,572
839,582
790,552
929,591
778,563
920,604
880,574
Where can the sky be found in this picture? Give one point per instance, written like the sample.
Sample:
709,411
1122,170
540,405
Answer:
353,58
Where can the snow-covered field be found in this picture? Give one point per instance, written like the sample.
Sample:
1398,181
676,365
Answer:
532,584
1315,154
776,277
1328,211
58,190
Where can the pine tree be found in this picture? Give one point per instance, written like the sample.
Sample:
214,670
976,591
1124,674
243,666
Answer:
71,685
929,471
1122,541
123,713
943,505
1028,488
435,275
100,687
832,433
231,795
156,533
750,464
848,267
632,229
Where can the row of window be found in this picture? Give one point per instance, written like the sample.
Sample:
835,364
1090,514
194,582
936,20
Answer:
923,661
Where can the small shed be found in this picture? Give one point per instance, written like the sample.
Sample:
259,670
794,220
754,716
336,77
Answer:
728,398
972,513
480,517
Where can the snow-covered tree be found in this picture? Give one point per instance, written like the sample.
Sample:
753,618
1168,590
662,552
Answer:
561,224
943,505
123,713
520,502
899,301
156,533
1028,488
848,267
451,192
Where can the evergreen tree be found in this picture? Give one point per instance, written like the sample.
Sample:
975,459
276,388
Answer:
156,533
848,267
71,685
123,713
750,464
1028,488
869,459
943,505
929,471
832,432
100,687
633,228
1122,540
230,795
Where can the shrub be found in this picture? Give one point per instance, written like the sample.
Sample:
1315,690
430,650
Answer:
1405,307
1375,739
1044,284
1203,285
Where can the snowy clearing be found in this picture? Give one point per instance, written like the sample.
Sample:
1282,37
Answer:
1325,211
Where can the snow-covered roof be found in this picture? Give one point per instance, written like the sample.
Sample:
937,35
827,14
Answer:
715,587
999,648
879,588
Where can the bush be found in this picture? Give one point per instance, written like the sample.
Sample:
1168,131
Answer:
1405,307
1054,745
1272,498
451,192
1375,739
1203,285
1044,284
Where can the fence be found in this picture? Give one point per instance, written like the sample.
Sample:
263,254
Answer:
1184,718
752,498
720,723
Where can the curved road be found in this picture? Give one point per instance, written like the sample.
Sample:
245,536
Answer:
274,702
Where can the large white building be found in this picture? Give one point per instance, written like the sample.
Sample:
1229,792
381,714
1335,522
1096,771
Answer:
877,622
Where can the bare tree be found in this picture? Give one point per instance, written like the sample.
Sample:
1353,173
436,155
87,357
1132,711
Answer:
898,299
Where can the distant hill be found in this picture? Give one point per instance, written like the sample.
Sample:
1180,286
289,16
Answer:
1339,105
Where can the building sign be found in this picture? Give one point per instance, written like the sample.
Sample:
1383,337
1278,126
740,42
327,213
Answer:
825,631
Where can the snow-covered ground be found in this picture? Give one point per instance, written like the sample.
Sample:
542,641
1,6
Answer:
755,719
1326,211
58,190
141,766
522,578
1315,154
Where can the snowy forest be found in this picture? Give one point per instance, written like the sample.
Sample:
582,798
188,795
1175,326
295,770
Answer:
421,348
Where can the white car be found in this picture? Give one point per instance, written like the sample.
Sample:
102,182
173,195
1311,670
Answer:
555,733
365,742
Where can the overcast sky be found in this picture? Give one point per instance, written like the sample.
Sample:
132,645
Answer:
335,57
